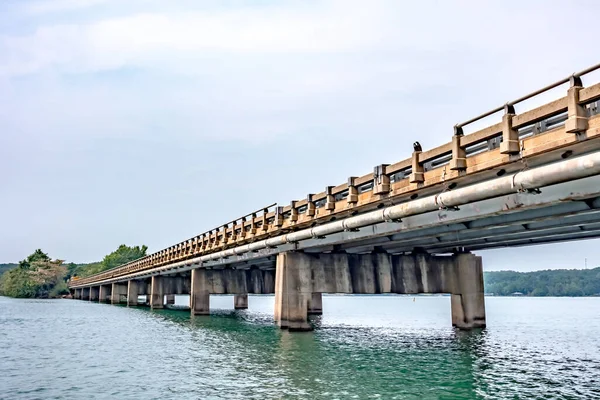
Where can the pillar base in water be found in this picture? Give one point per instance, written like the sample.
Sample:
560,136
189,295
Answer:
170,299
315,305
240,301
118,289
293,291
468,301
156,293
199,296
94,293
132,293
104,291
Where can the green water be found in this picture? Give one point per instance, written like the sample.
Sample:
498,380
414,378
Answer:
385,347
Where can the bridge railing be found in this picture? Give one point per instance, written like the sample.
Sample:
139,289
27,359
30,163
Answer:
551,126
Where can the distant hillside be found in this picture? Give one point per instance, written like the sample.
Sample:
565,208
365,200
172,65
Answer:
6,267
559,282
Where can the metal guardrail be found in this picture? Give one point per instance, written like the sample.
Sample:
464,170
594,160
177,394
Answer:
575,79
362,193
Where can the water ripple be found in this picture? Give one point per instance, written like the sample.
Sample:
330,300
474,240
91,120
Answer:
363,348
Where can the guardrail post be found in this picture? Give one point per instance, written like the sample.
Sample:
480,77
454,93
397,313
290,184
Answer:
233,237
202,243
293,211
278,221
310,206
212,239
510,136
418,174
225,237
253,224
243,228
329,199
459,155
352,191
381,182
577,121
265,223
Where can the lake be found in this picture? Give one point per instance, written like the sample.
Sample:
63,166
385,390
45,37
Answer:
363,347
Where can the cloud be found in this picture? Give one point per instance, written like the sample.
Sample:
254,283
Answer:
183,107
141,39
43,7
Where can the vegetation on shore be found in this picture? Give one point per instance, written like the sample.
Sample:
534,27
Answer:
559,282
38,276
121,256
6,267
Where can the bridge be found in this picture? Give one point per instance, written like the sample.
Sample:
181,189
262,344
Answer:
408,227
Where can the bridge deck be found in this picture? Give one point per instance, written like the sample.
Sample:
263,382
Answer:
560,130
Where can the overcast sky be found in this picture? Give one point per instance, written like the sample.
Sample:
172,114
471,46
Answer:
148,122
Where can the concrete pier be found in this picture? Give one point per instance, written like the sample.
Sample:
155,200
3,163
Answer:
157,294
94,293
468,301
199,293
119,290
170,299
315,304
77,294
302,277
132,292
293,291
105,291
240,301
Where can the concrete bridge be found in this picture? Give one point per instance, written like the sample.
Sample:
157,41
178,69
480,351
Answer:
408,227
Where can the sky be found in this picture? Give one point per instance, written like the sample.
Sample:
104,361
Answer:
149,122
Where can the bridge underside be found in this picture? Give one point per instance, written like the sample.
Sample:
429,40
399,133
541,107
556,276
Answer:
426,253
519,219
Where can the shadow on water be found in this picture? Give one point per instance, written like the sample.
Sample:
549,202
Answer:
345,361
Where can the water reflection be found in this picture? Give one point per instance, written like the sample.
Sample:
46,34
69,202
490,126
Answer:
346,362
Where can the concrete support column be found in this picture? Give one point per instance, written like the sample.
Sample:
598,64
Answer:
240,301
315,304
77,294
104,293
132,292
292,291
468,302
118,289
85,293
200,295
94,293
171,299
157,294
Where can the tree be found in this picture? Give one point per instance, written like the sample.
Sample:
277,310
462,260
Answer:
122,255
37,276
38,255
